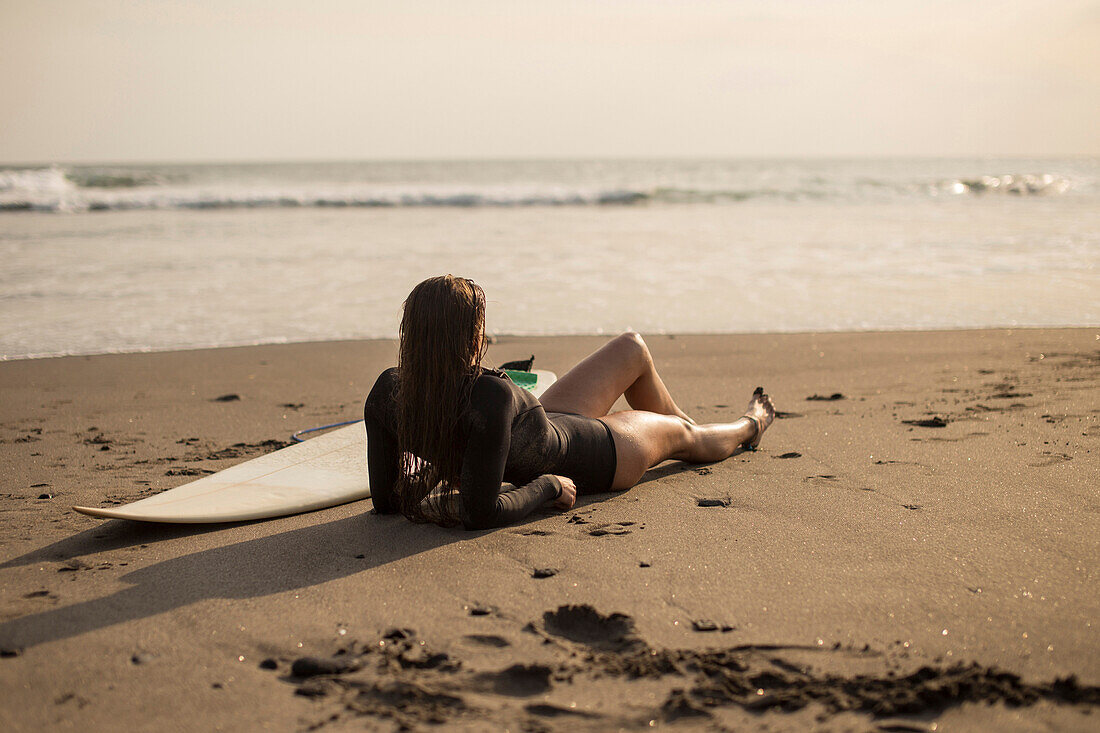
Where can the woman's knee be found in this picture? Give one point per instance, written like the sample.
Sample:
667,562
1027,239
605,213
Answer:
633,339
632,343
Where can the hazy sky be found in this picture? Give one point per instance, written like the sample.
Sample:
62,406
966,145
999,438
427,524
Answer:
163,80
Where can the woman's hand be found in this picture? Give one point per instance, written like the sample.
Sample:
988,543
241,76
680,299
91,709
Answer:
568,495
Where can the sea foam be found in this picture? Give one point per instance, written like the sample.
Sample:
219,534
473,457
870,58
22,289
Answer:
59,189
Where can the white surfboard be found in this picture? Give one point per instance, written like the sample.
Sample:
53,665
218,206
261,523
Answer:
325,471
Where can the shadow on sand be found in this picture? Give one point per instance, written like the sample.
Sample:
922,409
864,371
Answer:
253,568
265,566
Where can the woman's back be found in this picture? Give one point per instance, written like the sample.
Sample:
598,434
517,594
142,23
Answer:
504,436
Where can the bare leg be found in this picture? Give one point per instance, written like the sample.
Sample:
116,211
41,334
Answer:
623,367
644,439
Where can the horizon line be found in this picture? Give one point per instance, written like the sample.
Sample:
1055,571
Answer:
542,159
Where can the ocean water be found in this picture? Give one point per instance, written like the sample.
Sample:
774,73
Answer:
129,258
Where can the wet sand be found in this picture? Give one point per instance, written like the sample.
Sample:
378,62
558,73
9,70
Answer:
914,547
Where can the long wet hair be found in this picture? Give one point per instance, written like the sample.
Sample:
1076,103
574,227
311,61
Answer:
442,344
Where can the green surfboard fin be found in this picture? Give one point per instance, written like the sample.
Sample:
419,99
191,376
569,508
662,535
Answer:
527,380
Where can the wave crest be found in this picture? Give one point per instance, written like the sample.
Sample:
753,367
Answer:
1045,184
56,189
278,199
35,181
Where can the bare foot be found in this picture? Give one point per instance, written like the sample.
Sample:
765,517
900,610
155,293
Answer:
761,412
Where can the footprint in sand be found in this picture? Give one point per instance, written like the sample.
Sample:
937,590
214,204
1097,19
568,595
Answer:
924,469
519,680
1008,395
241,450
612,528
723,501
31,437
188,471
492,640
968,436
828,480
931,422
1051,459
583,624
41,594
74,566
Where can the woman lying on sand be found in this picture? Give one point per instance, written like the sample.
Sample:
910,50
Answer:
440,419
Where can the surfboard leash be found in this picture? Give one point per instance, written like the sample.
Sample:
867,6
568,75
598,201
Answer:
297,439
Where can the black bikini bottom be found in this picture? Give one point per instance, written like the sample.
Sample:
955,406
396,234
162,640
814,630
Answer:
590,457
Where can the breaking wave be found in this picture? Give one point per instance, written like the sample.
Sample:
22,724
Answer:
79,189
1026,185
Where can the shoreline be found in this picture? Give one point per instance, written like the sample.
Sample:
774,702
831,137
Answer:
864,541
496,336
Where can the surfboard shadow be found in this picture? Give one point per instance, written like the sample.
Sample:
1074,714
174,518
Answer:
253,568
114,534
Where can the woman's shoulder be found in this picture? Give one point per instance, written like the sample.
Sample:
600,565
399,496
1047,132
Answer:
384,387
491,384
387,375
494,389
386,379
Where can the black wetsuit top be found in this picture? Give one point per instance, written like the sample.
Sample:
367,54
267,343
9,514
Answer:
513,451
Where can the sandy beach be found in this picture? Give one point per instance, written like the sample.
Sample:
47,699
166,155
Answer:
914,547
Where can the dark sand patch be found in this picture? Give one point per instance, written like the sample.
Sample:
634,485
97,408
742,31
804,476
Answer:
612,528
390,680
1050,458
585,625
723,501
489,640
242,450
930,422
518,680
